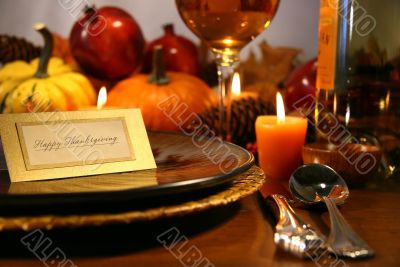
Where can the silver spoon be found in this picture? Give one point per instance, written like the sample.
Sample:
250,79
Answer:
314,183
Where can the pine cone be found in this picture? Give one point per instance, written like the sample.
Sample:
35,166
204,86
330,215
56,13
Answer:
244,113
13,48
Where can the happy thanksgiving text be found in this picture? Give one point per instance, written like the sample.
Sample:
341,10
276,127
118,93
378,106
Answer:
74,142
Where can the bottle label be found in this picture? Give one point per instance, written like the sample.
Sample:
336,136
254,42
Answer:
328,30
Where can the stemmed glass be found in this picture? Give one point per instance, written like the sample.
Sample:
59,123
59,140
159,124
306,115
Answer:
226,26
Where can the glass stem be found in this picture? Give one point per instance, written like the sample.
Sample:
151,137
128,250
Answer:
226,66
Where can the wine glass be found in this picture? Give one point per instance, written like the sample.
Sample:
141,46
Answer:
226,26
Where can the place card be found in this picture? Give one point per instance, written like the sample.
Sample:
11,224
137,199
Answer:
39,146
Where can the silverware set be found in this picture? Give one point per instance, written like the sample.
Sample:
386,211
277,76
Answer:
312,184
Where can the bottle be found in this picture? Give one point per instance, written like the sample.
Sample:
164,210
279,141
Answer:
358,76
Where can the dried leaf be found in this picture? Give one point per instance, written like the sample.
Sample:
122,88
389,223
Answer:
265,75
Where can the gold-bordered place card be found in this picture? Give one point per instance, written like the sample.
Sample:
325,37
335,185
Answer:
39,146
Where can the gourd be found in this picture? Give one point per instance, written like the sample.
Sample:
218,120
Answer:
44,84
148,92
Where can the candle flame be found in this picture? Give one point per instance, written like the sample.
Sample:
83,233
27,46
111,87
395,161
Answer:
236,87
334,104
347,116
102,98
280,108
387,100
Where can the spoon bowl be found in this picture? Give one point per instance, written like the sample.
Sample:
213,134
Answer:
309,183
316,183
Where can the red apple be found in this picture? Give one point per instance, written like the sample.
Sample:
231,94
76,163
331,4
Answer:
107,43
301,82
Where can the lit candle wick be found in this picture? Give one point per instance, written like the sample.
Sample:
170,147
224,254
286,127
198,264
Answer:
102,98
280,108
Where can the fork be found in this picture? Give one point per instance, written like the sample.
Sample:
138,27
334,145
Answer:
292,234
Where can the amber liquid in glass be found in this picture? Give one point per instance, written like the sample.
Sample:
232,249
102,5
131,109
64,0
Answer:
227,24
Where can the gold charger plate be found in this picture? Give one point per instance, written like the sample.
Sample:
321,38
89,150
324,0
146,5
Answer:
242,185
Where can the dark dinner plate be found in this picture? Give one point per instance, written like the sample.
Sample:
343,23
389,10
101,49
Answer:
184,164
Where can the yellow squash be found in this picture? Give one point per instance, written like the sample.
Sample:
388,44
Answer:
45,84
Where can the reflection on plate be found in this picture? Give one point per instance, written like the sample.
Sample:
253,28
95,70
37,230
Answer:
183,164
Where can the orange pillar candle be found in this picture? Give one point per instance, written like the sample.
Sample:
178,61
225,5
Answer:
280,140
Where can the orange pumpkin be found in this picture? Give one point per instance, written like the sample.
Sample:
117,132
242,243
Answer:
168,101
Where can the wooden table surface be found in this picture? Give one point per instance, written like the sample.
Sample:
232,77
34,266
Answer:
240,234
